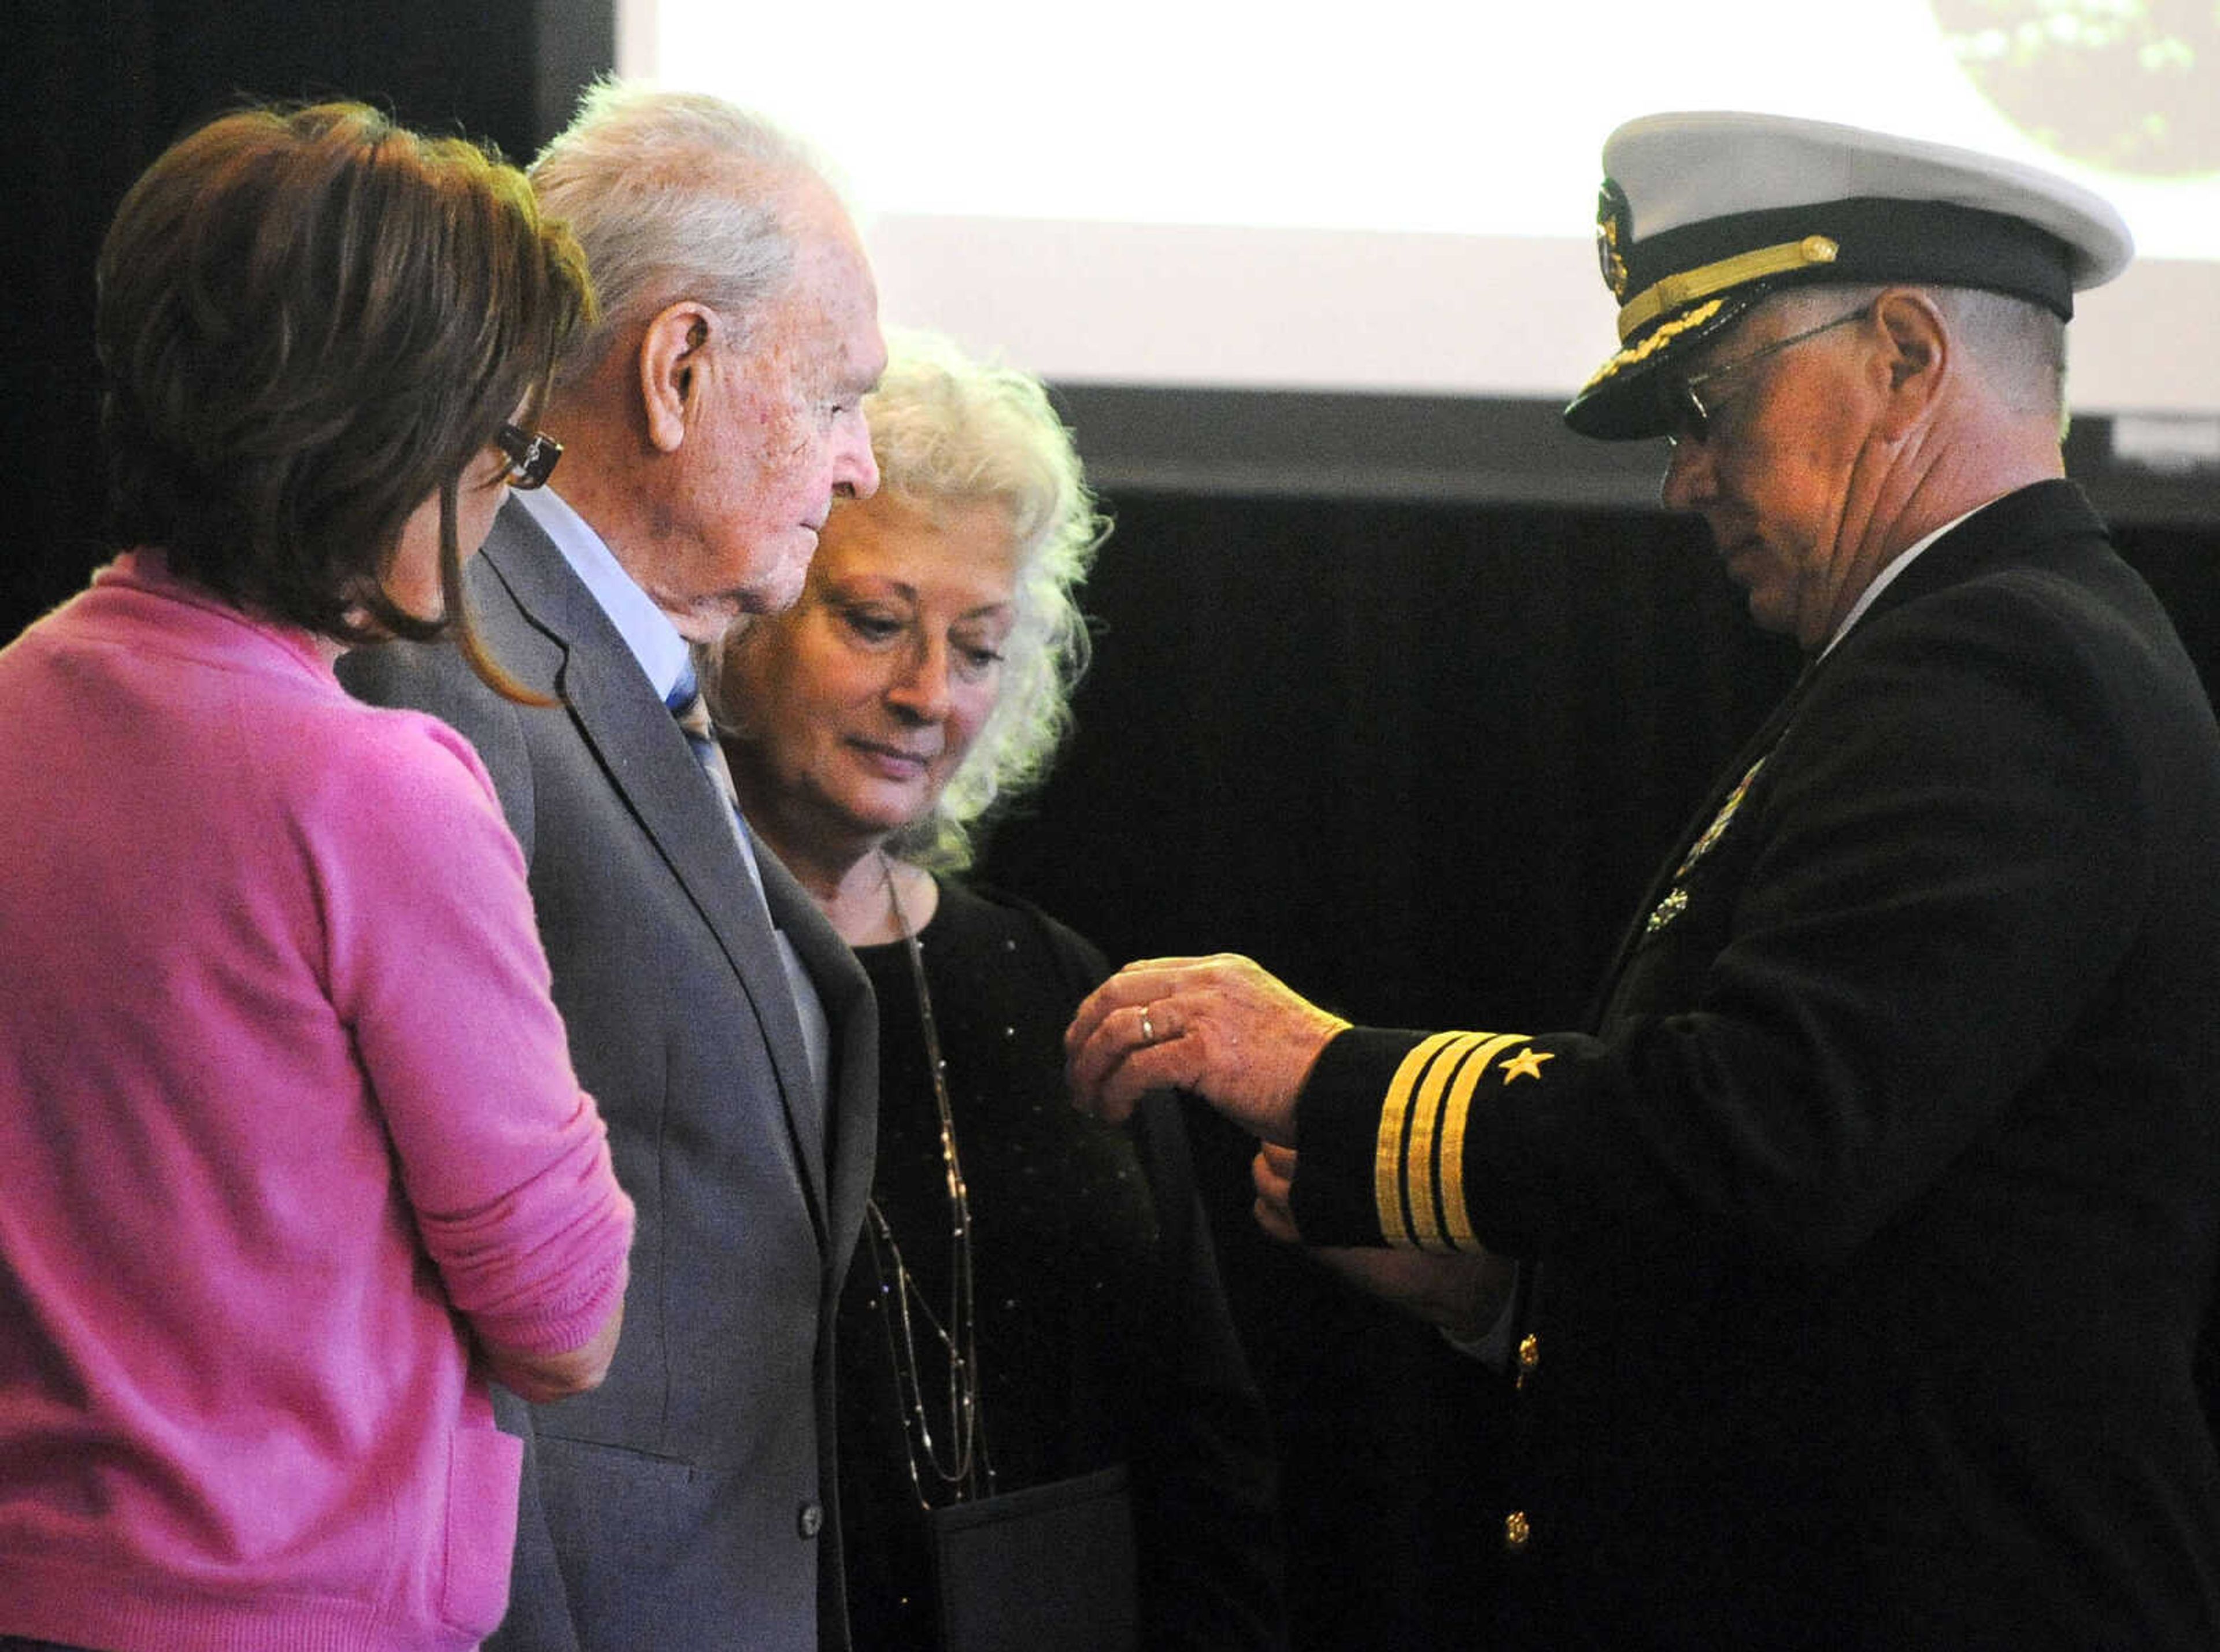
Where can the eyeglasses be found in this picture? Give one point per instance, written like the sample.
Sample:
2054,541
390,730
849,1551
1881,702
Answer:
530,455
1689,416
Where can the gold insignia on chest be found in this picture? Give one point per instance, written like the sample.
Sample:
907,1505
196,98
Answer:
1674,903
1676,898
1702,846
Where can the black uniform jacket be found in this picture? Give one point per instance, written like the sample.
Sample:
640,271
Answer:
1877,1218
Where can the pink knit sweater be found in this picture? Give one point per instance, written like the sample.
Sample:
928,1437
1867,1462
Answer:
285,1111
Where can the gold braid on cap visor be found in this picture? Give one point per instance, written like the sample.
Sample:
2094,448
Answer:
1701,282
1656,341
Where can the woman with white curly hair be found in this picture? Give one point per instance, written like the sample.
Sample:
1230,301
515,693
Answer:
1035,1309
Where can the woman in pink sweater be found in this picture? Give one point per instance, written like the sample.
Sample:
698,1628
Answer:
292,1160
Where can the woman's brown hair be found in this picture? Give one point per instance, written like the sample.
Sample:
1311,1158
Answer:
309,322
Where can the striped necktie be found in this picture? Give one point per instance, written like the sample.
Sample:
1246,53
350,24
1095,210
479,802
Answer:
692,714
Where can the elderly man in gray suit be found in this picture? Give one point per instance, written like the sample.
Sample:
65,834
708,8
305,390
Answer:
727,1034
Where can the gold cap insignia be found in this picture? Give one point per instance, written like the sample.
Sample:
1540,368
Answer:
1614,227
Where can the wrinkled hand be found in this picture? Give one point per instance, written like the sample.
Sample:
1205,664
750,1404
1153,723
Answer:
1220,1027
1462,1295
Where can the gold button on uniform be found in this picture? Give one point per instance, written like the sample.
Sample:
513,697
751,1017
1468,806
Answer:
1530,1356
1516,1532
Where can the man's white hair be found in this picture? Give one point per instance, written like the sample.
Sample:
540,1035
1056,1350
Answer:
674,195
2016,346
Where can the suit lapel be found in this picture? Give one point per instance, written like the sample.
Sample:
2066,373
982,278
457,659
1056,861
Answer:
638,743
852,1015
1754,753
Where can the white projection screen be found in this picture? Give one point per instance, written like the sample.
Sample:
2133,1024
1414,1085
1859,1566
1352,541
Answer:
1398,196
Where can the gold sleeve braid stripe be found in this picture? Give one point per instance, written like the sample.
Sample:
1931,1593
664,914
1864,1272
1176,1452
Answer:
1419,1157
1452,1161
1388,1149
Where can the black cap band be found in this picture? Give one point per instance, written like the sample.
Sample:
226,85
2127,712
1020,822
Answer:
1933,243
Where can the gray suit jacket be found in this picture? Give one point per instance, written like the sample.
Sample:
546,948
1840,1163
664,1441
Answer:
689,1501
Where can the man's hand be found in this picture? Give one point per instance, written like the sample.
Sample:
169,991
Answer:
1463,1295
1220,1027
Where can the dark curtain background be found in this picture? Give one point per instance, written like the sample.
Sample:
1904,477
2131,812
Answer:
1417,758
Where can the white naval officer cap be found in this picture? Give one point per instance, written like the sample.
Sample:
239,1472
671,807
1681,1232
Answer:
1702,215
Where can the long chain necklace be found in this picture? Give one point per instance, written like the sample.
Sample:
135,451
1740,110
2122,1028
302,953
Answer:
966,1472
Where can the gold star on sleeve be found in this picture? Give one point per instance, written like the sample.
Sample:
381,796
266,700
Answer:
1418,1164
1527,1064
